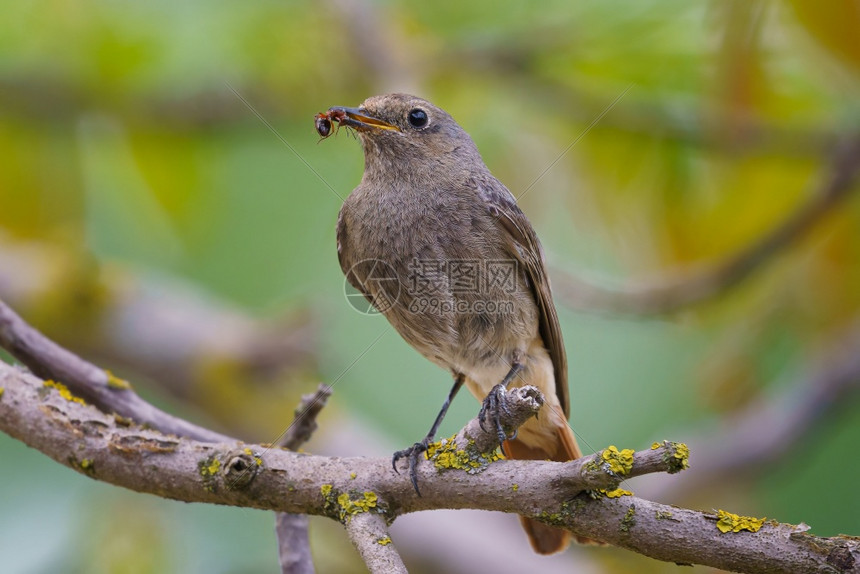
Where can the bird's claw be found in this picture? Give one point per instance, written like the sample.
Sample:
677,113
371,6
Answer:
493,406
414,452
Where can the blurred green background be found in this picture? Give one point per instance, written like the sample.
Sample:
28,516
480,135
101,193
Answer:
141,198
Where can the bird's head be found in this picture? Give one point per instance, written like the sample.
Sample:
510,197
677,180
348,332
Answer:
403,134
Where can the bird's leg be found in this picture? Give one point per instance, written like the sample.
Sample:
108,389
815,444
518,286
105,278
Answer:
496,403
415,451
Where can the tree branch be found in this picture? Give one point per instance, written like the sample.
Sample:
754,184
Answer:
110,394
681,289
294,549
144,460
369,533
305,423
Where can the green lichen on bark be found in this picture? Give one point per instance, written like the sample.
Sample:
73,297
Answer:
629,520
567,511
676,457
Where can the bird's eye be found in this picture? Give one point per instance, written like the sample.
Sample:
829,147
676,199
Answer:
418,118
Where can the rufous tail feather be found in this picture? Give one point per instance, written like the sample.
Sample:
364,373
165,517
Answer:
547,539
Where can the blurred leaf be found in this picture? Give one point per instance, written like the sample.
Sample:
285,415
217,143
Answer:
833,26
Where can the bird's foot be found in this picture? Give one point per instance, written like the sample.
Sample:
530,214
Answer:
492,408
414,452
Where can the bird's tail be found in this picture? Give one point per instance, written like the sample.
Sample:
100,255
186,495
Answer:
547,539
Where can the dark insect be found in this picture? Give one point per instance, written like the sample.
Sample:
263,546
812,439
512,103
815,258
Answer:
323,120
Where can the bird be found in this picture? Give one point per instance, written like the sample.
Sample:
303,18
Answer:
439,245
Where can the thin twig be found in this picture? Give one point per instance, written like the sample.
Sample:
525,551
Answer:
294,550
305,422
369,534
294,547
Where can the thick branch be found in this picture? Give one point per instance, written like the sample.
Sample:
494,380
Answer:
684,288
110,394
691,537
253,476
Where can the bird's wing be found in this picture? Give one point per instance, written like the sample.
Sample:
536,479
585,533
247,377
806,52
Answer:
523,244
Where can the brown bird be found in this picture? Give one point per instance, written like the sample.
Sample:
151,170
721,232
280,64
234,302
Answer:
438,245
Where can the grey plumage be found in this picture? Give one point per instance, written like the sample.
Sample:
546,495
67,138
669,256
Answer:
426,204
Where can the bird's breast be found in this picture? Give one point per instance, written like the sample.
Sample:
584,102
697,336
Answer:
461,297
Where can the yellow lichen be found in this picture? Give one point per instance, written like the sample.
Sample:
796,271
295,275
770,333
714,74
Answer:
515,487
617,493
2,390
680,457
257,460
728,522
208,468
122,421
384,541
446,455
343,507
88,466
619,461
116,382
655,445
64,392
350,507
352,475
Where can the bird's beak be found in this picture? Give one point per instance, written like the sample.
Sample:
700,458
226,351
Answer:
358,119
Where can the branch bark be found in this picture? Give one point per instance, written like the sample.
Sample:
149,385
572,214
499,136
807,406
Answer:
369,535
110,394
237,474
681,289
294,546
294,549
